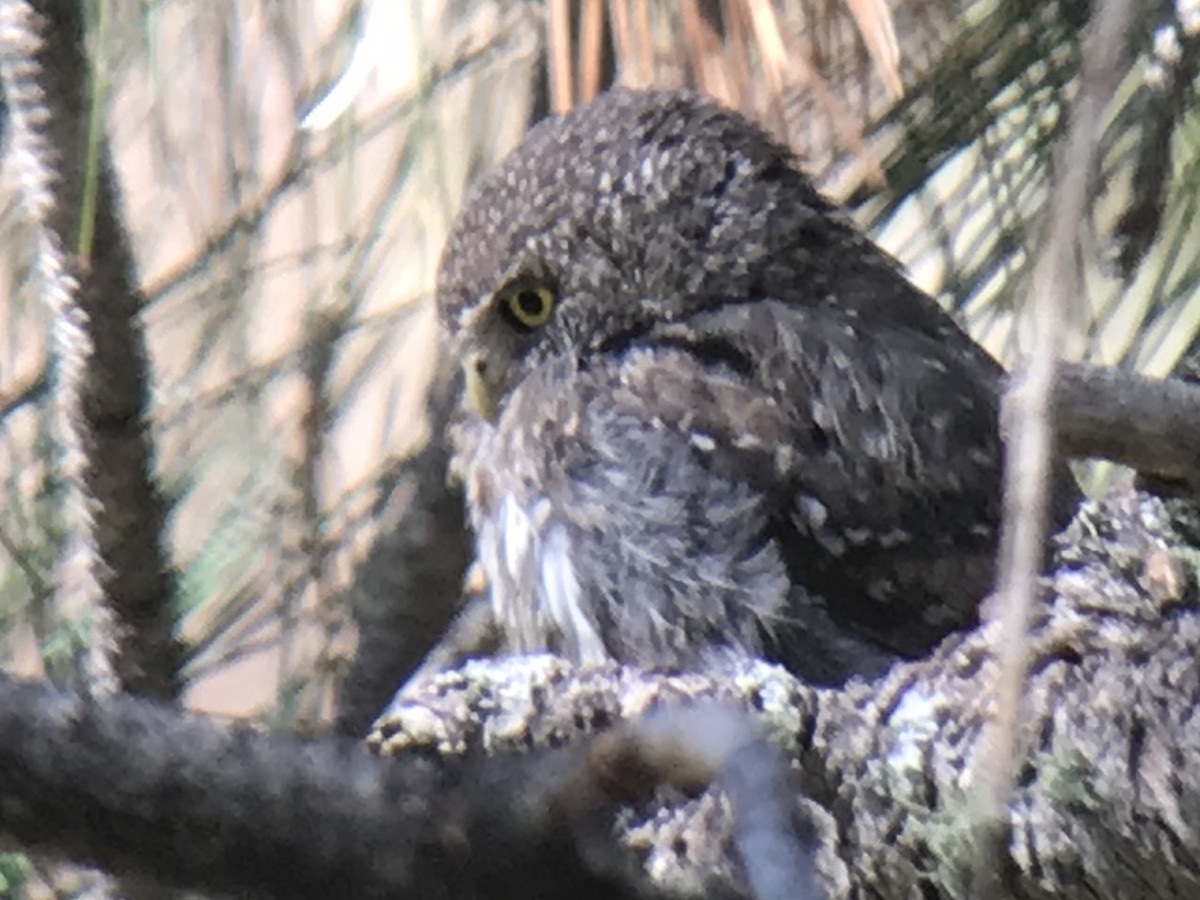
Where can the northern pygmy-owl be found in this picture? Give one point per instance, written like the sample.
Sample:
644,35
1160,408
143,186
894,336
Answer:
706,412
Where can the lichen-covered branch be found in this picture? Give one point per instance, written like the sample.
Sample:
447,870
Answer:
1107,803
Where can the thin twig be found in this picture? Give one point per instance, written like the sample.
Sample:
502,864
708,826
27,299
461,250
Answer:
31,391
558,53
591,40
1056,282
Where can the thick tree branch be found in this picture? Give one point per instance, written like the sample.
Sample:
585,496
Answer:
144,790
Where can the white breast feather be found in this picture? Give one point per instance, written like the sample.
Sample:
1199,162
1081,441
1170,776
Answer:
534,588
561,596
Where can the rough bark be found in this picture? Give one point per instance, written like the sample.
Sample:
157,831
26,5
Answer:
1106,806
1107,803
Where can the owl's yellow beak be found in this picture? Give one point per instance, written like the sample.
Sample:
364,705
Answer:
483,385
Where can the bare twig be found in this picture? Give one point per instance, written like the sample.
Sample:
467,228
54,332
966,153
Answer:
23,395
618,12
878,30
779,64
558,54
645,56
591,42
324,331
1056,281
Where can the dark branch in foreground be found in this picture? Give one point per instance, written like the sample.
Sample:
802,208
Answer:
147,791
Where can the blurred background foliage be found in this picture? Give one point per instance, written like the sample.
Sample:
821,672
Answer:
290,169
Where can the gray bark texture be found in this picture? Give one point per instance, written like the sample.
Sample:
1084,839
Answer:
1107,804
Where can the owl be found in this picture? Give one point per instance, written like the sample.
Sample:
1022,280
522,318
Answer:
703,413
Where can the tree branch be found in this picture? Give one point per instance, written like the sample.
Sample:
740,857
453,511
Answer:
115,557
1031,438
1150,424
147,791
407,589
1105,802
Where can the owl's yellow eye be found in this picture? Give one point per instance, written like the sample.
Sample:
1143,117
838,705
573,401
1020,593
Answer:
527,305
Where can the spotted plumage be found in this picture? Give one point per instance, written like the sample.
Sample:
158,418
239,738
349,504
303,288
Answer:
706,413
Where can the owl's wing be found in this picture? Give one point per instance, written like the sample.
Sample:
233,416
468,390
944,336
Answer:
878,448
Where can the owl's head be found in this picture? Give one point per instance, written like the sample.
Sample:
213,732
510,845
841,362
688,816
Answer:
634,210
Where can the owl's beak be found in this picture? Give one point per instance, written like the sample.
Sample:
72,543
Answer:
483,385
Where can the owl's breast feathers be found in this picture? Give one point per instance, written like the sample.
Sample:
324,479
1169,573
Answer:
762,476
